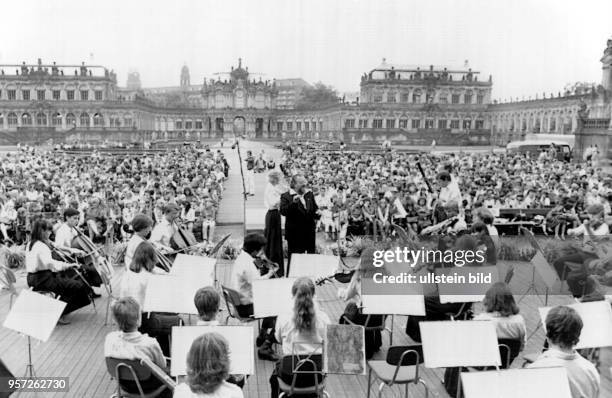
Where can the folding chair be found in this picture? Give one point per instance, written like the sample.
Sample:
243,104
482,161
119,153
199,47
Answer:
300,368
232,299
125,370
400,367
371,328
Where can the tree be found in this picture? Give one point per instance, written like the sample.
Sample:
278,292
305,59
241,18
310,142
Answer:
317,97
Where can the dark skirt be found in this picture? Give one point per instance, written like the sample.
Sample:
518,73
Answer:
159,326
73,291
274,239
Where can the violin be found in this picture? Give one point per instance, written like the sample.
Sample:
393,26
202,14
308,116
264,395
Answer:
265,266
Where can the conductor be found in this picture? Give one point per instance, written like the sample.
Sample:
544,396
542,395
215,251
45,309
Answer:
301,214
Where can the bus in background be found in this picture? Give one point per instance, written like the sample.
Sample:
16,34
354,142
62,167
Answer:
535,147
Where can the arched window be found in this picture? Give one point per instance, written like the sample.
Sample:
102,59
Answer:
84,119
12,119
98,120
41,119
127,121
56,119
26,119
70,120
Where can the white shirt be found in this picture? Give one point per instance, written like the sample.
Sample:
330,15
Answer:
243,274
162,233
583,378
225,390
450,193
133,345
272,197
307,343
130,249
603,229
134,284
64,236
507,327
39,259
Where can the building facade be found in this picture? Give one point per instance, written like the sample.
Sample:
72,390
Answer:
409,105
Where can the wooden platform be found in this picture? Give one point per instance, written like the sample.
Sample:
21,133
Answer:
76,350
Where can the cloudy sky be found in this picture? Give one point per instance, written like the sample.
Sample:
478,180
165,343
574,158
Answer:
529,46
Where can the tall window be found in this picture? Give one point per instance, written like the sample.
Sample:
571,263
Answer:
468,97
178,124
84,119
443,98
479,124
442,123
307,126
41,119
553,125
298,126
416,96
12,94
40,95
26,119
70,95
429,123
128,122
405,97
390,123
70,120
378,98
349,123
403,123
363,123
480,99
467,124
289,126
98,120
56,95
454,124
84,95
279,126
12,119
25,95
391,96
188,124
455,98
416,123
98,95
377,123
198,125
56,119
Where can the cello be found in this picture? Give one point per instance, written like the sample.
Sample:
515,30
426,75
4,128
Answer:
93,260
182,239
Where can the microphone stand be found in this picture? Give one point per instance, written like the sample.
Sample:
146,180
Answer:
244,192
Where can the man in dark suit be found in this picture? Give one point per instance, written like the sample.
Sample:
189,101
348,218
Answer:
301,214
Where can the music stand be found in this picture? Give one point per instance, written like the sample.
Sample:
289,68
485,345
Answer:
448,344
540,264
35,316
313,265
272,297
239,338
512,383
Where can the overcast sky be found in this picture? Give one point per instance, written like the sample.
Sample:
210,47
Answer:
529,46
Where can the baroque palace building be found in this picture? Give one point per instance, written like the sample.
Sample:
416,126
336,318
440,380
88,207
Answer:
409,105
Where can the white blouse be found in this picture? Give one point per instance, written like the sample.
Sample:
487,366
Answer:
272,197
38,258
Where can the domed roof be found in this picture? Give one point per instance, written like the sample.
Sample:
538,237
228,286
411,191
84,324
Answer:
239,72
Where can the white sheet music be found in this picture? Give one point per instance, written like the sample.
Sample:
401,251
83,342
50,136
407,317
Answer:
167,293
517,383
459,343
195,267
272,297
597,320
313,265
34,315
466,292
239,338
409,304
